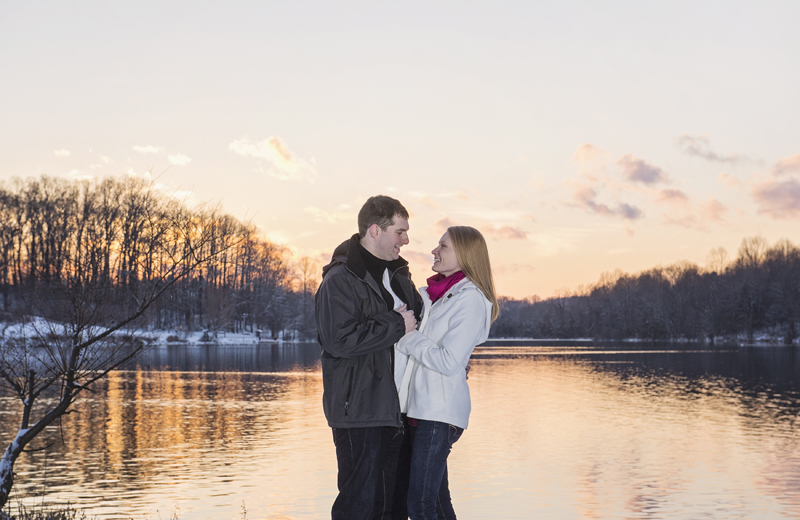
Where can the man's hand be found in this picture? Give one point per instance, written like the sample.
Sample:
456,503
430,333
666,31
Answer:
408,317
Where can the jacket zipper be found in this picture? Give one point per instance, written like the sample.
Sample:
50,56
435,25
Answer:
349,391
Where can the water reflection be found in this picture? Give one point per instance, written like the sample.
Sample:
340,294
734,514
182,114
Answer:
264,357
572,431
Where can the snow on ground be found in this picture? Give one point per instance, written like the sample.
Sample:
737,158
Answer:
39,328
196,337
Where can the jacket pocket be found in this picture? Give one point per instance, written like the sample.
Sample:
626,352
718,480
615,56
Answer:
349,390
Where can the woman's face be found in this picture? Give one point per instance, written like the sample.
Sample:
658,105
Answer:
444,257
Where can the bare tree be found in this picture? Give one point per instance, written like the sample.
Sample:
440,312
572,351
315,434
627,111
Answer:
716,261
85,326
307,277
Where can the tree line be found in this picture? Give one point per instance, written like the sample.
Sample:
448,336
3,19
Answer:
756,293
117,235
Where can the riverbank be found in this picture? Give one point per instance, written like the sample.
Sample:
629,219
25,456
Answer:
39,327
200,337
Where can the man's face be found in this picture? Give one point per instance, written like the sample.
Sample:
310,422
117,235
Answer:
389,242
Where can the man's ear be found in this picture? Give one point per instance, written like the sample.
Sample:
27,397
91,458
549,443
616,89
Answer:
374,230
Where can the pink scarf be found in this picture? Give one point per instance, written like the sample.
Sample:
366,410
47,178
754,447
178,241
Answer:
439,284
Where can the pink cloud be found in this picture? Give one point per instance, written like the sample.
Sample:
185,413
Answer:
729,180
713,209
488,230
587,153
427,201
778,199
672,196
788,165
700,147
504,233
285,166
637,170
585,198
699,216
443,224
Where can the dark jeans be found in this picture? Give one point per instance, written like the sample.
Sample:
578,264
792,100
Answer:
428,492
373,473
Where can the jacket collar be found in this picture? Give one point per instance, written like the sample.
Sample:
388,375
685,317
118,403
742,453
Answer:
348,253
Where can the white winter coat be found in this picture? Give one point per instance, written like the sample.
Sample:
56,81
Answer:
434,386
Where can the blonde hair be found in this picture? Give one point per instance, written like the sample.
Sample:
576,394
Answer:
473,257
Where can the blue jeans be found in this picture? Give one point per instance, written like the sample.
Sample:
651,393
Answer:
368,477
428,493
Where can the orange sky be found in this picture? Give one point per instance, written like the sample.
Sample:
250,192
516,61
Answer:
578,137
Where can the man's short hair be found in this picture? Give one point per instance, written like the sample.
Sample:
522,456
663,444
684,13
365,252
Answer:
380,210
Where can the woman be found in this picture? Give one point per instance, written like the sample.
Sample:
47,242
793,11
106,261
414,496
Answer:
459,307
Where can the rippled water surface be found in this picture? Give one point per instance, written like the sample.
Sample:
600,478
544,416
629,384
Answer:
557,431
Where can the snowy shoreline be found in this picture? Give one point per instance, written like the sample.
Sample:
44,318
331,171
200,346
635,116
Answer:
200,337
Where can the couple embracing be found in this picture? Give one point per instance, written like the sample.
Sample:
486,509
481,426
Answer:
394,363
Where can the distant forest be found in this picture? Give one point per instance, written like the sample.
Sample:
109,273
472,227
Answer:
116,234
757,293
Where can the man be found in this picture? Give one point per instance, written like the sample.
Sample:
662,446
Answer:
365,304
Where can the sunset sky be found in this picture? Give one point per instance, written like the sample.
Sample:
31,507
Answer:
579,137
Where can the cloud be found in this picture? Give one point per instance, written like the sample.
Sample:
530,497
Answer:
427,201
588,153
331,217
637,170
699,147
77,175
103,161
61,153
672,196
590,158
629,212
179,160
585,198
686,221
790,165
778,199
729,180
503,232
712,209
442,225
285,166
424,199
148,149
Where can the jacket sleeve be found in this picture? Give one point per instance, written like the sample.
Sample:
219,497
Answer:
465,329
338,315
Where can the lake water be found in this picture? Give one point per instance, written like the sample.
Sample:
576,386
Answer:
557,431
